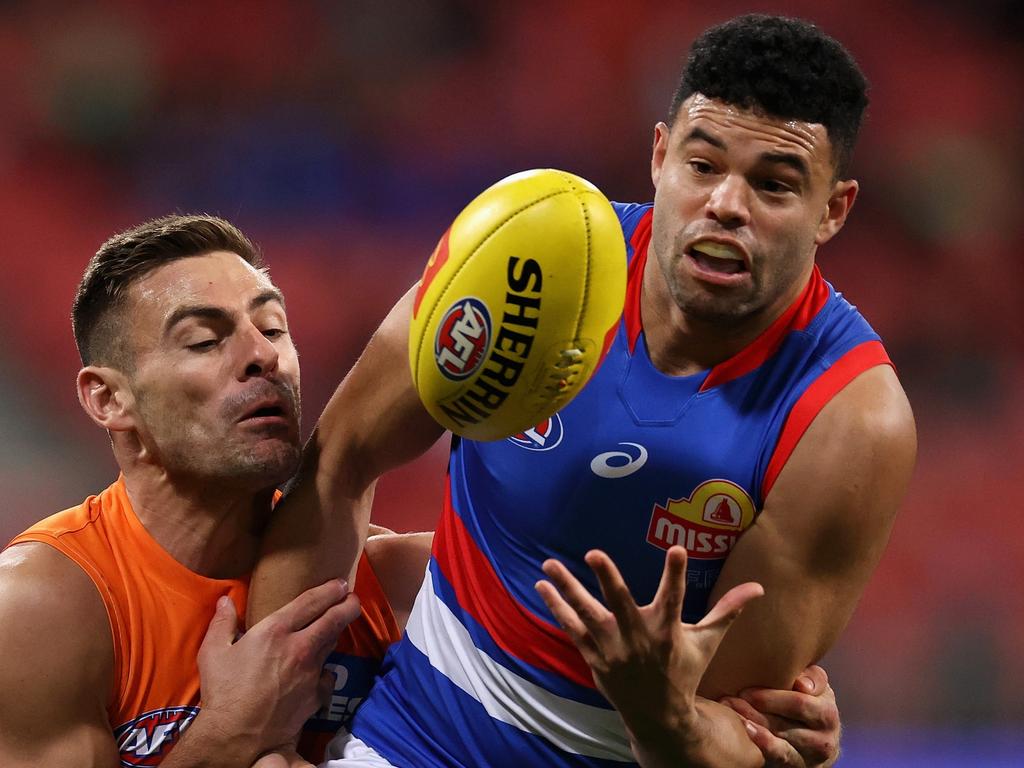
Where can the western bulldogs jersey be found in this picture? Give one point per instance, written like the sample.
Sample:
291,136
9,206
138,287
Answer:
637,462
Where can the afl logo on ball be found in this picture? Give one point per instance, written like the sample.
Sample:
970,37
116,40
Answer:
462,338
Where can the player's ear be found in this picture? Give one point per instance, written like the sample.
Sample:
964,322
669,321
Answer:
105,395
839,205
658,150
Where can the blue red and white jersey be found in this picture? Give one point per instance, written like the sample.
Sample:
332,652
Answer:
637,462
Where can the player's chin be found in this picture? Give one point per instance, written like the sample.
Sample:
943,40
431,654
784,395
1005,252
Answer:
724,308
272,459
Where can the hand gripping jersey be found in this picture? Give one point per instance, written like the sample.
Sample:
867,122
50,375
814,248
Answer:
159,611
637,462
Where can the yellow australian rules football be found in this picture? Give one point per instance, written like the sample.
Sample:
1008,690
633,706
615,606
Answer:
518,304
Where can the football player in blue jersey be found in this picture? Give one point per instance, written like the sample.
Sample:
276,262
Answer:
777,444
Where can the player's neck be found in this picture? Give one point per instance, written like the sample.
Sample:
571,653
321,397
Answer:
680,344
211,529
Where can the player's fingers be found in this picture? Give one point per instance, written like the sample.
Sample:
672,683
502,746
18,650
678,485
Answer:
566,617
744,710
310,605
587,607
814,712
813,747
777,753
325,687
322,633
668,600
812,681
223,628
616,594
718,620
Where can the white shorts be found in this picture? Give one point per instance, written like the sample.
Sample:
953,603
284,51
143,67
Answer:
346,751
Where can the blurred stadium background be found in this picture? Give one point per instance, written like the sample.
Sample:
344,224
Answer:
343,137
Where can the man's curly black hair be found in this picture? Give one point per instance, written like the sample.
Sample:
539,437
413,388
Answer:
782,67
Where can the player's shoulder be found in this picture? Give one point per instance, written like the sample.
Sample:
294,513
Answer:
859,449
873,407
45,595
630,214
39,584
56,657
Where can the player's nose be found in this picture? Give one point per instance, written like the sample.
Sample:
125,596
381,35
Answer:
260,354
728,202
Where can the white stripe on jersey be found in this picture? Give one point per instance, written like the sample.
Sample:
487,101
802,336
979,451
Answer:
570,725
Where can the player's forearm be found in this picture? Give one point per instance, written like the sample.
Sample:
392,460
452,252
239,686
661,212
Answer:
709,735
373,422
316,534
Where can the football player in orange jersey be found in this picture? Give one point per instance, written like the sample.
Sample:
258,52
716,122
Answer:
189,366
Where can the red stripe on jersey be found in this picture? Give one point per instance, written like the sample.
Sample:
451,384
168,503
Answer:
635,278
796,318
844,370
482,595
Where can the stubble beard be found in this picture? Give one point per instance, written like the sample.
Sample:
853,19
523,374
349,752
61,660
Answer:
725,310
224,458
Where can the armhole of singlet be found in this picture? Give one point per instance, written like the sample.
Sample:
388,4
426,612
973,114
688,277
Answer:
380,618
114,619
853,362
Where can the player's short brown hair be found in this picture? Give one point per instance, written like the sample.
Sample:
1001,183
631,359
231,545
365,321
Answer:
128,256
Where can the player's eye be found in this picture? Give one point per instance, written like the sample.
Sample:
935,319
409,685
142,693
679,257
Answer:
204,346
774,186
274,333
700,167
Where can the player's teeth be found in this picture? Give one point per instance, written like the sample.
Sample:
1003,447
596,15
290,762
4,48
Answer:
718,251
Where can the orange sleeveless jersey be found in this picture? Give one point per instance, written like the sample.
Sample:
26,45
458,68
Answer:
159,611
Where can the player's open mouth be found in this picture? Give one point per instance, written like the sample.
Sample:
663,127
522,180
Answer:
266,413
270,411
719,262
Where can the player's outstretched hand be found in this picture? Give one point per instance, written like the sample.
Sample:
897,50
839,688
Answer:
263,686
644,659
793,729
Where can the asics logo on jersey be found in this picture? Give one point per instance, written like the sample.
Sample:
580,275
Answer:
543,437
615,464
146,740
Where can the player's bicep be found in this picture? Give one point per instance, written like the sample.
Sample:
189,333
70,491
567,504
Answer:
822,531
56,662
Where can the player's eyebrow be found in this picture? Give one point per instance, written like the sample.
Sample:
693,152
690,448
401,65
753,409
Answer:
789,159
195,310
209,312
699,134
271,294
